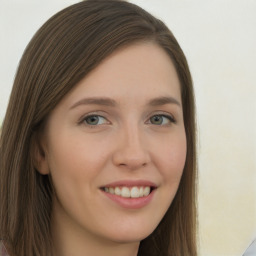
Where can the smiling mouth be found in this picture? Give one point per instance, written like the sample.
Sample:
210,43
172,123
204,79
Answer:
129,192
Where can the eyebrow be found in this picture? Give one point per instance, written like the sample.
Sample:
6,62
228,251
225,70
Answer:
95,101
163,101
159,101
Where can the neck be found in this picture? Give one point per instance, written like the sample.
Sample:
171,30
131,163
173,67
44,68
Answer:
84,248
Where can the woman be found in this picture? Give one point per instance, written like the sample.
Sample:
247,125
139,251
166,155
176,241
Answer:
97,148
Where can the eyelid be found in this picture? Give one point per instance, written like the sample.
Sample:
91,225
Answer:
102,114
94,113
164,114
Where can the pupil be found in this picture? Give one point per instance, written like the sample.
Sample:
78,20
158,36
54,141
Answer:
156,119
92,120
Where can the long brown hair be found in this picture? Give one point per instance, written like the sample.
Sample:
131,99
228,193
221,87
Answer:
64,50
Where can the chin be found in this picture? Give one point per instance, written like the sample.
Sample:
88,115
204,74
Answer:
130,235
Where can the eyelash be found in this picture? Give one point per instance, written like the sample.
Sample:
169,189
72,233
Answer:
170,118
83,120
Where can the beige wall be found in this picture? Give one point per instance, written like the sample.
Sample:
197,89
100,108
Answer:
219,40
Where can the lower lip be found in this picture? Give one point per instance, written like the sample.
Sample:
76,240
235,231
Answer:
131,203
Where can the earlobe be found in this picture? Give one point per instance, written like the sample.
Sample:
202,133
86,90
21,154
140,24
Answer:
39,157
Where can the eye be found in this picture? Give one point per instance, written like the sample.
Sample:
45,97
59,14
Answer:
94,120
161,120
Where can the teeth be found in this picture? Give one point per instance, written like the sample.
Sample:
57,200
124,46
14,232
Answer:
146,191
135,192
118,191
132,192
125,192
141,191
111,190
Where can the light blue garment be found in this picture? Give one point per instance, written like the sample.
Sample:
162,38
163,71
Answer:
251,250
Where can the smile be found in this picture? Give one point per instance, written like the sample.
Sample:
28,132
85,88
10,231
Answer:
129,192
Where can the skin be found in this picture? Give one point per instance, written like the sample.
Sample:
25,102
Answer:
131,140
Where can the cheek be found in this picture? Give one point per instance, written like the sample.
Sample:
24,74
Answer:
172,157
75,160
73,151
74,168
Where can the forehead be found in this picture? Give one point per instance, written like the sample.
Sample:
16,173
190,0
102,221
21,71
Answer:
140,70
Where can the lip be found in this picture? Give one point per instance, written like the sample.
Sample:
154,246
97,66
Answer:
131,183
130,203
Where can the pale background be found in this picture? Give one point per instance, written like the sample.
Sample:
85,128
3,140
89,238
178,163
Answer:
219,40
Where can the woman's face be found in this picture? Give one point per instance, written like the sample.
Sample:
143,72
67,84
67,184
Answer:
115,147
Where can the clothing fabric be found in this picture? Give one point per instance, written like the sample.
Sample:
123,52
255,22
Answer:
3,251
251,250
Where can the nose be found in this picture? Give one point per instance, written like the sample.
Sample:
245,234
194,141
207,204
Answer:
131,152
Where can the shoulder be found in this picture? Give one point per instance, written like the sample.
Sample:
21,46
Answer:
3,251
251,250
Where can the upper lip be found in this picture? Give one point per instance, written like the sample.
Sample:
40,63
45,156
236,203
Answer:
131,183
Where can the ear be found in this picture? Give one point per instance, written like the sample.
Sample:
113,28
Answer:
39,155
